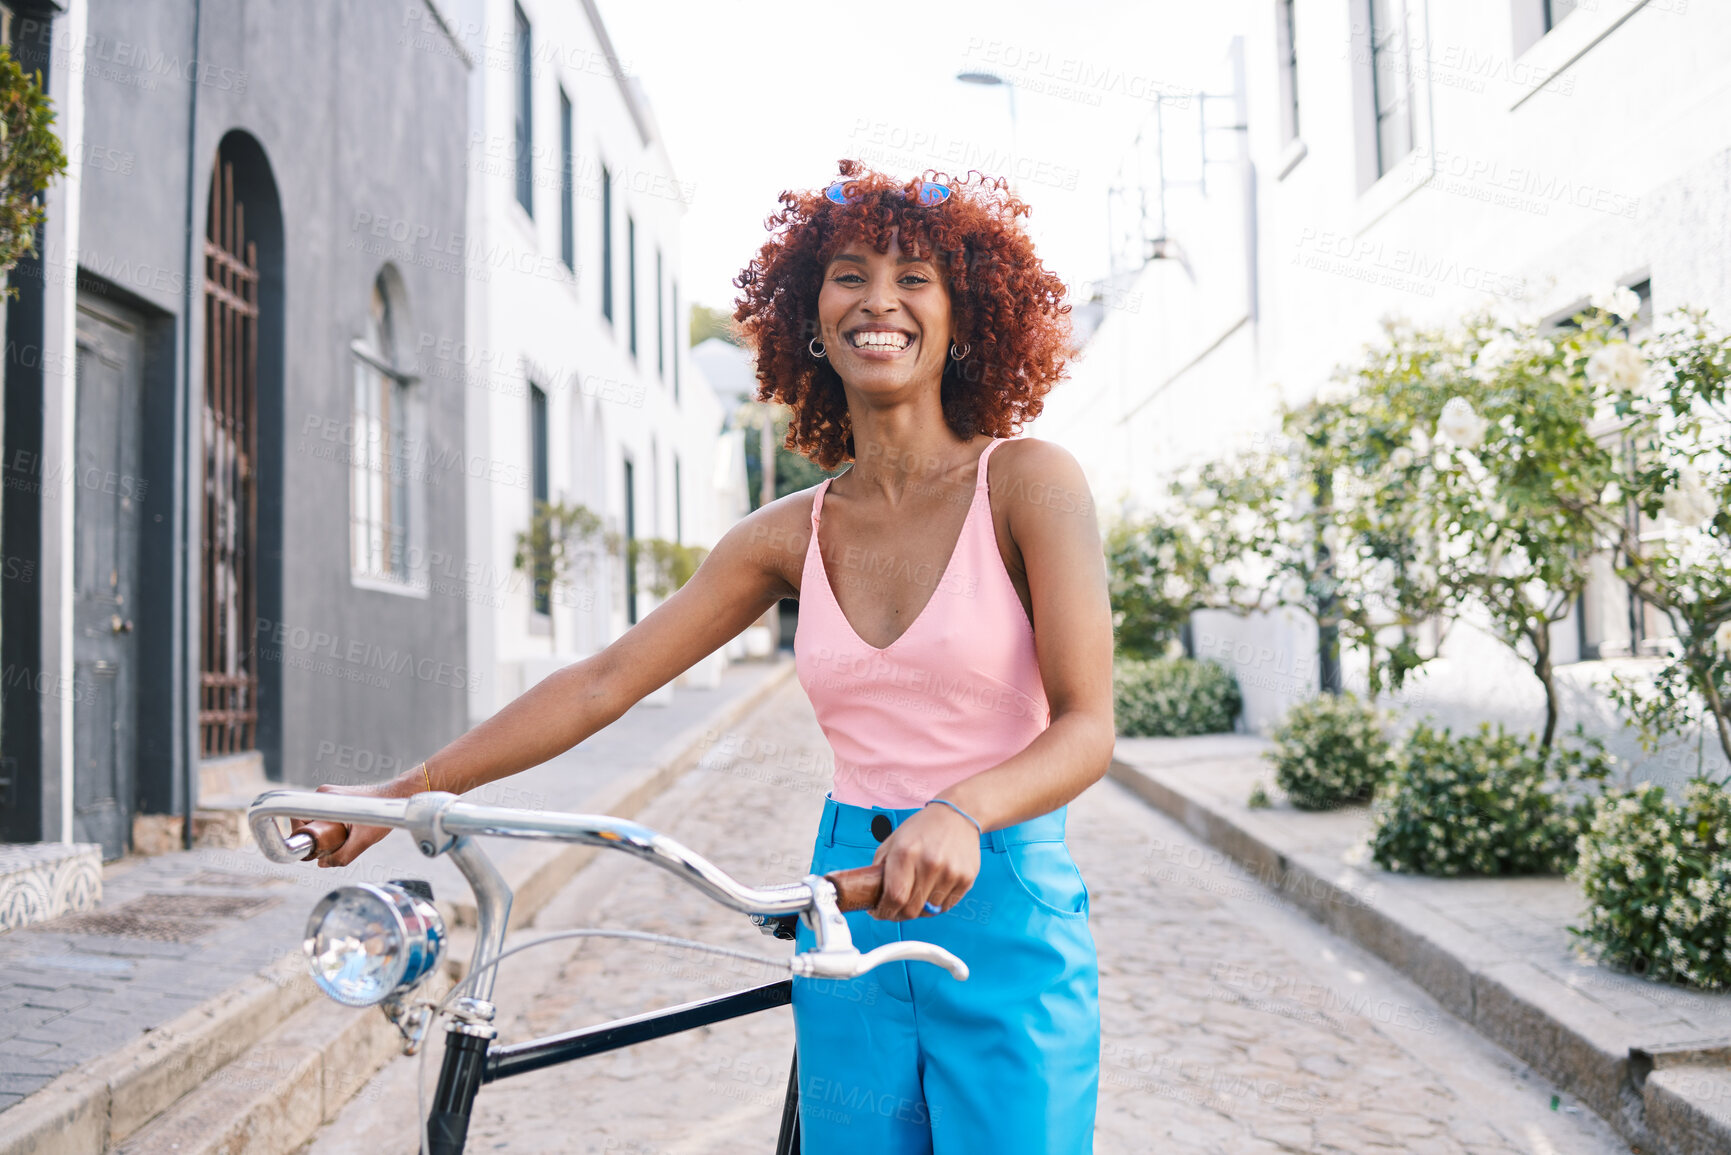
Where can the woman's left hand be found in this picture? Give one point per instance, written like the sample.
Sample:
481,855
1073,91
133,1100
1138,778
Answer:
932,857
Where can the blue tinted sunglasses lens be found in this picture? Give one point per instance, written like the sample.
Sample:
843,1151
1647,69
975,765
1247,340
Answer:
933,194
930,193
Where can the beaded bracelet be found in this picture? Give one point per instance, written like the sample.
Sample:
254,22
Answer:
958,810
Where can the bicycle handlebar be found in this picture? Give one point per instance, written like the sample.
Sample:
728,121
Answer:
437,820
859,888
856,889
440,823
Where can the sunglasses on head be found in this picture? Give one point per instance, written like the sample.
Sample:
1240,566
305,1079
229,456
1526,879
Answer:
844,192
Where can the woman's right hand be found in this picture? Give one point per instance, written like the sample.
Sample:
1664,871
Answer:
340,843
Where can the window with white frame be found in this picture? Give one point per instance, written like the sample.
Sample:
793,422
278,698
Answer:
1532,20
1391,82
523,125
386,430
1288,61
567,210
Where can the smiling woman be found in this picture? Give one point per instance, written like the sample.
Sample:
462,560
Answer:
1011,325
955,641
911,329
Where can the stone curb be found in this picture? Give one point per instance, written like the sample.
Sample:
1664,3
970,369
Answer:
274,1097
100,1105
94,1107
1655,1101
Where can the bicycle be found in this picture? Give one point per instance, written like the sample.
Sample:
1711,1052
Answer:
374,944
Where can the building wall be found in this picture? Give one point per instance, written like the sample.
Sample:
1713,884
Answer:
361,127
534,322
1600,153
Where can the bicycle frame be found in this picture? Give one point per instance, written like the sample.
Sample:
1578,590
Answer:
440,824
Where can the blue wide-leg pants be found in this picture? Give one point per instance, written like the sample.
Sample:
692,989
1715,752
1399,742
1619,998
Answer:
906,1060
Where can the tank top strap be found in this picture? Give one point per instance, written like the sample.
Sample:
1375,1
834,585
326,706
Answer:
817,504
980,473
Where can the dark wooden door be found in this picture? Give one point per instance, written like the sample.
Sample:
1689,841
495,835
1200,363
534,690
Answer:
107,493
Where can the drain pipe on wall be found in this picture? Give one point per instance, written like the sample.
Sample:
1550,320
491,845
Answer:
182,743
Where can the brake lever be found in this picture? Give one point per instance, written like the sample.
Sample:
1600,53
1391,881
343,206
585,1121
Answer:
819,964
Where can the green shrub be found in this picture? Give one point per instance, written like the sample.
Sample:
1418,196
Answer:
1657,878
1482,803
1329,751
1173,697
1151,578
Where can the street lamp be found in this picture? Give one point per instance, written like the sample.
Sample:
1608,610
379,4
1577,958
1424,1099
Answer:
988,79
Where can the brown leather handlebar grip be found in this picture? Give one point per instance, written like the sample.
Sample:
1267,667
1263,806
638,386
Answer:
859,888
327,836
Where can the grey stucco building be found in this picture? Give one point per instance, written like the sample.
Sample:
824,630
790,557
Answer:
241,499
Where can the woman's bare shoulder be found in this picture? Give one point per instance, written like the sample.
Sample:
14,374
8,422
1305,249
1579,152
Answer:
775,537
1041,474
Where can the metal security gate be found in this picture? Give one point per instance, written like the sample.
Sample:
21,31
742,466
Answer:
228,670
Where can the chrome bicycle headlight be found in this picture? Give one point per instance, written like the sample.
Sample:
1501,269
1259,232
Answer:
371,941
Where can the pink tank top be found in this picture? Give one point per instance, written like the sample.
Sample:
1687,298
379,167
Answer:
957,693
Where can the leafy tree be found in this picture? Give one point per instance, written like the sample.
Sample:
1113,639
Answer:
1474,461
793,472
560,537
663,566
1153,576
30,157
707,323
1669,514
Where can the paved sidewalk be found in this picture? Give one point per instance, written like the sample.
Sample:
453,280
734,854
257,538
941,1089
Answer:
1497,952
177,930
1234,1025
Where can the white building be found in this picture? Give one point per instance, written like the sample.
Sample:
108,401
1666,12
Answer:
580,385
1413,157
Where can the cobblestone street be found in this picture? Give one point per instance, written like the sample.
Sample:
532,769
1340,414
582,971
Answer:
1232,1023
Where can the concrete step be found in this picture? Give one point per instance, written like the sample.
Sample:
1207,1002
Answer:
271,1098
226,787
95,1107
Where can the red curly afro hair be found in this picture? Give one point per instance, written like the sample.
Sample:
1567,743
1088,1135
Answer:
1008,308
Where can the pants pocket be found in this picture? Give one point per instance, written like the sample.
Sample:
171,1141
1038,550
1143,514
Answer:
1045,872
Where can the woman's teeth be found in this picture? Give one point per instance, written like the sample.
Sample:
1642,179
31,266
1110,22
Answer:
880,341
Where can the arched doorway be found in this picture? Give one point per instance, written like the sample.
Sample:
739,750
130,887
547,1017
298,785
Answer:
240,427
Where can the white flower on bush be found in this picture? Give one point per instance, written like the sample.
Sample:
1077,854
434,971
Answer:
1619,365
1722,639
1401,458
1688,503
1204,499
1618,299
1460,424
1493,355
1293,589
